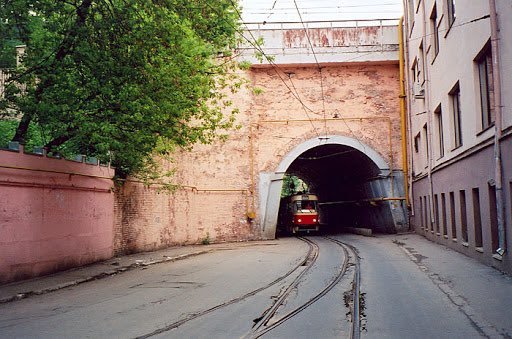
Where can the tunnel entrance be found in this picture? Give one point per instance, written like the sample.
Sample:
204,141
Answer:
354,185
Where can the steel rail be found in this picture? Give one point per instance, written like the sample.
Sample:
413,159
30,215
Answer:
355,311
306,261
323,292
269,313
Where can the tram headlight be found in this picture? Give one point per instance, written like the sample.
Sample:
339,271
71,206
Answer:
314,220
299,220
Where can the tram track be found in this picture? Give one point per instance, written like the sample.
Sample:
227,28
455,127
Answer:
307,262
355,309
269,319
350,259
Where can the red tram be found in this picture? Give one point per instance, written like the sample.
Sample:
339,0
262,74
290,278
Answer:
301,214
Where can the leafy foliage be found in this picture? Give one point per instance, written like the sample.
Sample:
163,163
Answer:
8,128
293,185
120,79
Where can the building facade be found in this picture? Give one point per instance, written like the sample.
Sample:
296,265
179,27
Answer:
458,63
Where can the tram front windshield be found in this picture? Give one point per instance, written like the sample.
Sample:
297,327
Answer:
305,205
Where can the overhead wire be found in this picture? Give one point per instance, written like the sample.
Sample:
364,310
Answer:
271,9
317,64
305,111
487,16
325,7
321,79
269,60
278,70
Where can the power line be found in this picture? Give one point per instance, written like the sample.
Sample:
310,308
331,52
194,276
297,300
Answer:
317,63
277,69
271,9
487,16
325,7
321,79
305,111
274,66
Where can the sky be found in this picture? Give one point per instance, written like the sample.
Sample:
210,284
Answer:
323,10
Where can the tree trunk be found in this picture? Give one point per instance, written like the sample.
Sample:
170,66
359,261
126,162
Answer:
57,142
22,129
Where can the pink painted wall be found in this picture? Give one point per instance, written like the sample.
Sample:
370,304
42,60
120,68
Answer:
54,214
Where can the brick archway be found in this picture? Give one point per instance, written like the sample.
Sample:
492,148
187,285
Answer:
271,183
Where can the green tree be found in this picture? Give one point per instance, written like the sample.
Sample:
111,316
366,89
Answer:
120,79
293,185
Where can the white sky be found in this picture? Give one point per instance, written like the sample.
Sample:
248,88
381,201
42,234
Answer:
323,10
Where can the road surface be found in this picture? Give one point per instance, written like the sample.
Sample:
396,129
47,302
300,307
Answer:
288,288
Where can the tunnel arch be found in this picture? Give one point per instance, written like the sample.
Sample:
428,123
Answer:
331,140
381,184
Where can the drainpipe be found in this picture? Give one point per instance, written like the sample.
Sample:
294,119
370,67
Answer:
498,174
430,155
402,109
410,141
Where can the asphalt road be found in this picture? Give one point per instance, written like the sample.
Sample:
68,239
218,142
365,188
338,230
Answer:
289,288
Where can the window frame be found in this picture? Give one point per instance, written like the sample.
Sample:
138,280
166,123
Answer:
456,112
426,145
484,68
438,115
434,27
450,13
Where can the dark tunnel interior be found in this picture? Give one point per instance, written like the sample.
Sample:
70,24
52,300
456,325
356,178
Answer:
340,176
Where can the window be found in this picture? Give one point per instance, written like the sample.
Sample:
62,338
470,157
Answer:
443,215
427,212
431,221
417,80
421,65
427,155
493,212
410,13
436,213
415,71
422,224
434,29
463,216
452,216
455,103
439,126
417,143
477,217
484,62
450,9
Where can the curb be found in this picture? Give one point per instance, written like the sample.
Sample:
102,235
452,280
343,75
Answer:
106,273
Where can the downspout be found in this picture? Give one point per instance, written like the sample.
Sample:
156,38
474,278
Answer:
410,141
498,174
430,154
403,110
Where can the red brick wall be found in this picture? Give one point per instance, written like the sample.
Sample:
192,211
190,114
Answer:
217,178
148,218
54,214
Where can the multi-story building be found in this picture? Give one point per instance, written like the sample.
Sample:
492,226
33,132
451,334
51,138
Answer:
459,90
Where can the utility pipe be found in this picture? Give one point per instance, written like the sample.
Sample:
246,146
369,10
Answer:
252,213
410,161
362,200
498,174
430,154
402,97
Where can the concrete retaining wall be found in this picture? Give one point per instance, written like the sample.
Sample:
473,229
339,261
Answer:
54,214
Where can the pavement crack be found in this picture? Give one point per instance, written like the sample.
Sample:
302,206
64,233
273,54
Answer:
484,328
